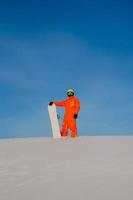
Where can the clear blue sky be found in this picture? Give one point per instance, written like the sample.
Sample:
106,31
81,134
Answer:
49,46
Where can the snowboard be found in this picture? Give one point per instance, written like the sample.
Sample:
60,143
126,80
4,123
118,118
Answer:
54,121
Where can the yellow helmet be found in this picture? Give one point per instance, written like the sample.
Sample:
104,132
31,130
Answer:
70,92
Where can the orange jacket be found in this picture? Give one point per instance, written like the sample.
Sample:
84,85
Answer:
72,106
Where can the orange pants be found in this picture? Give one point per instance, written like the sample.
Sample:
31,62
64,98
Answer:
72,106
67,124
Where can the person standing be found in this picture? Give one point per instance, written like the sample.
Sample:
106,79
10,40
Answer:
72,108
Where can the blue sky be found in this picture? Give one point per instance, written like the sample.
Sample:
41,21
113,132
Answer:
49,46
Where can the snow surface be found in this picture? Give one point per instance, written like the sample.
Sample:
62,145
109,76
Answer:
95,168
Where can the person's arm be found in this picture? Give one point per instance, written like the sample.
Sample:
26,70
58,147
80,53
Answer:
77,109
59,103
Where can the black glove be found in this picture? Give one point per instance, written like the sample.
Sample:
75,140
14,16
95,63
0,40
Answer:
75,116
51,103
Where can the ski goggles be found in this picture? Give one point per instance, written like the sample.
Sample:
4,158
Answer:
70,93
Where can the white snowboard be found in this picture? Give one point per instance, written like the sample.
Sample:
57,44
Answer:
54,121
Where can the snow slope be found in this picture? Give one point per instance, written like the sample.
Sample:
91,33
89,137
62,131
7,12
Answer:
84,168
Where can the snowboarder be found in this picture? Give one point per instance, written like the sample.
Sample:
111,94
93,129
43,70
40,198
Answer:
72,108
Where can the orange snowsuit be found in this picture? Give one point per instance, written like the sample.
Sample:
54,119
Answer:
72,106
